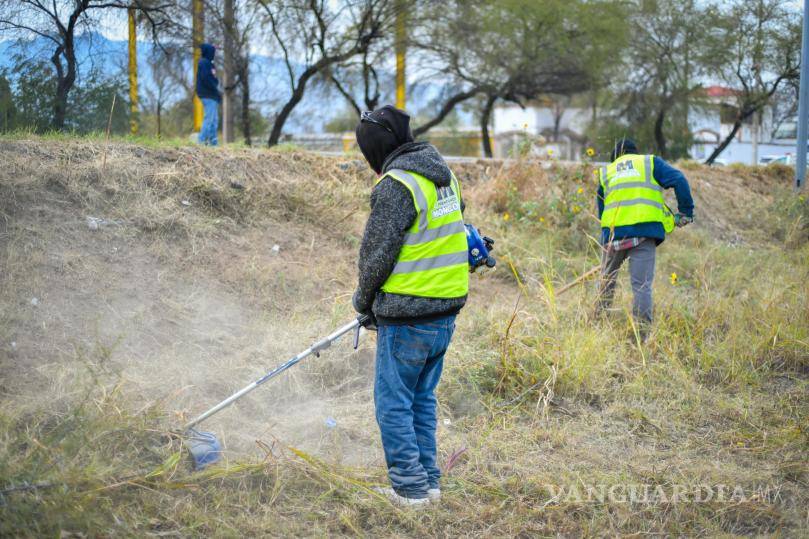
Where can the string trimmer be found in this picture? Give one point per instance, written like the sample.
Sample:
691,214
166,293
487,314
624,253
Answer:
205,449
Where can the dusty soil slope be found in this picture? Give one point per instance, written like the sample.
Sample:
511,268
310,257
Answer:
141,272
177,290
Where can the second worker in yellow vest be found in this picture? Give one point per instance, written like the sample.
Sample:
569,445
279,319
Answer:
635,220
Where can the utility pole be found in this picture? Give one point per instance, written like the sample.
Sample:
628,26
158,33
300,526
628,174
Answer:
227,78
133,72
803,103
198,29
400,47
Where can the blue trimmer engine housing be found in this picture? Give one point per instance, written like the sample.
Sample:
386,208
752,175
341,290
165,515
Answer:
479,248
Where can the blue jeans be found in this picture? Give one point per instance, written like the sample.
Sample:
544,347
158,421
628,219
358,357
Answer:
210,121
409,360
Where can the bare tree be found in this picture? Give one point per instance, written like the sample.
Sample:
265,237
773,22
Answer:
168,80
315,35
234,25
243,78
543,42
363,73
759,52
57,22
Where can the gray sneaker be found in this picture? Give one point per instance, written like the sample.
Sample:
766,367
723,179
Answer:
434,494
403,501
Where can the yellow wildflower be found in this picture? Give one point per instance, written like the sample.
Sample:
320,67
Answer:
580,190
590,152
550,151
541,219
506,216
673,278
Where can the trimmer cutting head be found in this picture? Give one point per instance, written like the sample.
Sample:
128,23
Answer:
204,448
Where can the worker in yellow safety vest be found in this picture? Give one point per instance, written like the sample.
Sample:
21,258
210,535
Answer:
635,220
413,281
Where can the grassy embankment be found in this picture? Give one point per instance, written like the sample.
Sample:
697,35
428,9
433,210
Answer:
177,299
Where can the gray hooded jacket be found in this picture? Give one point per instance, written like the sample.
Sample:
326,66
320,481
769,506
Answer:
392,214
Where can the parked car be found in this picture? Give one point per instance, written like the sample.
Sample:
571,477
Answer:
788,159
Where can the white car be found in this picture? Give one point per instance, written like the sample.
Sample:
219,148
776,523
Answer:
788,159
783,160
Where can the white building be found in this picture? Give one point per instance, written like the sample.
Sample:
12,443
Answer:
757,140
710,124
556,128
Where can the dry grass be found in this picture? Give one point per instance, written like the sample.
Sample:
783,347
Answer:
169,306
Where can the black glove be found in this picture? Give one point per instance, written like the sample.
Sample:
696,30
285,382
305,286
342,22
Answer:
367,320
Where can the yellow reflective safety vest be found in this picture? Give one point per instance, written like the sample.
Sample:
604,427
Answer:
433,261
631,194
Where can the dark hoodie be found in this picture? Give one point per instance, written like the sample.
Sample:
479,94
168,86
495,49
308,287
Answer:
207,83
392,214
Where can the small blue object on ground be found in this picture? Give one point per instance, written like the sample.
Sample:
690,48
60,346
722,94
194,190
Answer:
204,448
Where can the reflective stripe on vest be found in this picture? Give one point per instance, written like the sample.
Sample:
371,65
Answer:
431,234
631,194
433,261
632,202
424,264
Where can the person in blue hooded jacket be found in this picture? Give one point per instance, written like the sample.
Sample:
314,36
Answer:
208,92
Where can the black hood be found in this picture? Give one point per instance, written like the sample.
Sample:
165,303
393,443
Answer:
378,137
421,158
622,147
207,50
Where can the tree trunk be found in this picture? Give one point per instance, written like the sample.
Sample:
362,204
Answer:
369,74
725,143
64,81
557,120
286,110
244,77
660,137
60,106
227,78
558,112
445,110
159,114
485,117
721,148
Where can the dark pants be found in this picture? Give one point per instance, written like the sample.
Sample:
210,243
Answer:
641,275
409,360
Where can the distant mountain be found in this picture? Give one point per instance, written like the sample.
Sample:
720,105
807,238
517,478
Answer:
268,78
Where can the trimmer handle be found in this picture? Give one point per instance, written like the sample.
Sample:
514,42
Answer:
363,321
